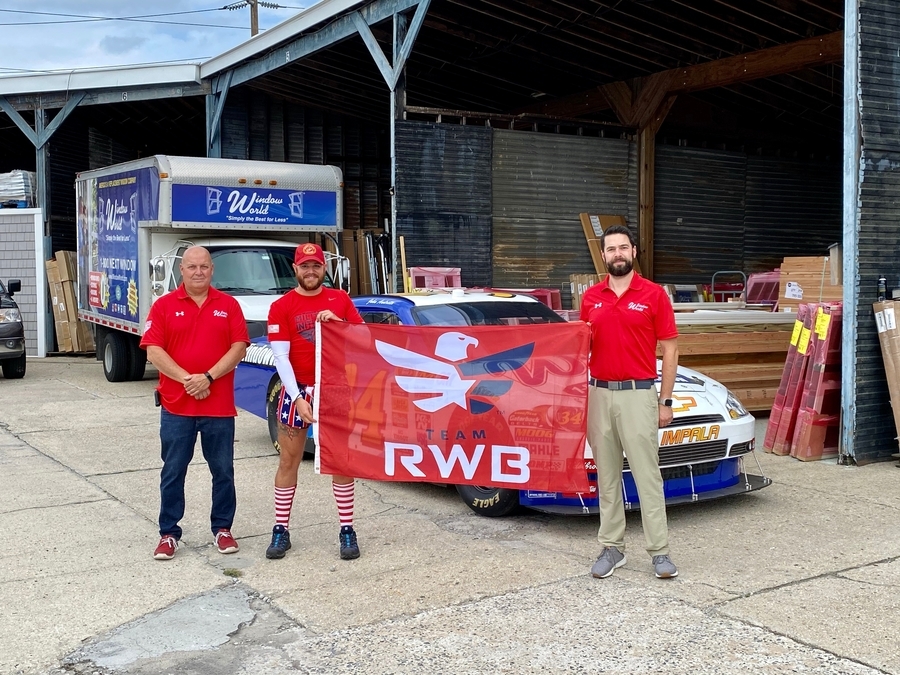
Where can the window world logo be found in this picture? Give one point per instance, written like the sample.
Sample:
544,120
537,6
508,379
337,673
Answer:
213,201
445,384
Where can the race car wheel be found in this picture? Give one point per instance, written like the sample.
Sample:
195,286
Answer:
489,501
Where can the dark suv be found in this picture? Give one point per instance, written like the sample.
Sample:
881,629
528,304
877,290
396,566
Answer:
12,332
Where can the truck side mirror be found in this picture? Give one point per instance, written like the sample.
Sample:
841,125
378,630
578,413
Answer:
13,286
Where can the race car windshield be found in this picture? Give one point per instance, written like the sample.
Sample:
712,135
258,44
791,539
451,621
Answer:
485,314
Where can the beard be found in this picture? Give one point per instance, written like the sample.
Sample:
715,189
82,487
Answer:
311,284
620,268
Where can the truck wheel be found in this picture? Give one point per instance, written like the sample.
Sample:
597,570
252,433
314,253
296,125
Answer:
14,369
489,501
272,411
137,360
116,363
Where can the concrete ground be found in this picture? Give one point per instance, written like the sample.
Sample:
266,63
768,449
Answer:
800,577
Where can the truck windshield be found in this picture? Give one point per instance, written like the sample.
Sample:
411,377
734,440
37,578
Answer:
266,271
485,314
252,270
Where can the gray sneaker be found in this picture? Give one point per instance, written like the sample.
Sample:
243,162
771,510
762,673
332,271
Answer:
609,560
664,567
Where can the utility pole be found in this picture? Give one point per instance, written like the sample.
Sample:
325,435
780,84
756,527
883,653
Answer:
254,17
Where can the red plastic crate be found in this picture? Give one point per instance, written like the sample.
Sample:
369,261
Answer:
435,277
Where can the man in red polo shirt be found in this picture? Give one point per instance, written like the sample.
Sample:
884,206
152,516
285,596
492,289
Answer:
195,336
628,316
292,336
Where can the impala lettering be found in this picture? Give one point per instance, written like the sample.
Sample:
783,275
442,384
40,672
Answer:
690,435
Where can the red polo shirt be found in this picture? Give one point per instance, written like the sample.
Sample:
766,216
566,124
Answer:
625,330
292,318
196,338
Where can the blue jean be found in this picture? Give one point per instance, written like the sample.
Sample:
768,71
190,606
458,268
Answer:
178,434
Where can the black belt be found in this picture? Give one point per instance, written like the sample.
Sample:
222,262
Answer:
619,386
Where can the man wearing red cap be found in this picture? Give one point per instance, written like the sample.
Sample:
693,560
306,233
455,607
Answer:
292,335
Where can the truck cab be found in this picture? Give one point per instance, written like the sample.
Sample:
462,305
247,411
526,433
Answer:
254,271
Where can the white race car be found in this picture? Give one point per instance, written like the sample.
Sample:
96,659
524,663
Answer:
702,454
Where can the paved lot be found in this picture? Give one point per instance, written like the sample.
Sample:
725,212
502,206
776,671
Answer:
800,577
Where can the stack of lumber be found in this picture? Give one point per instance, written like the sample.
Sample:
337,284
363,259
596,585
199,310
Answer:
743,349
805,280
805,419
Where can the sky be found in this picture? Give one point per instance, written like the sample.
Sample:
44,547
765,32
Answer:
36,42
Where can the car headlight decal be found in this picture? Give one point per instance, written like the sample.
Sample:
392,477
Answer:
735,408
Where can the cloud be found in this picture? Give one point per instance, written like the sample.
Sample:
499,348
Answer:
86,44
113,44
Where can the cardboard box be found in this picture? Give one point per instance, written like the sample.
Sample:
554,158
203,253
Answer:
886,314
64,336
52,272
68,266
579,283
82,337
805,280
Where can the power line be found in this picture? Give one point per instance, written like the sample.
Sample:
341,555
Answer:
91,16
140,18
101,19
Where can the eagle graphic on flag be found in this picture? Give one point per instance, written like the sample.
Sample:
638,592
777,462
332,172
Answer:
480,405
446,380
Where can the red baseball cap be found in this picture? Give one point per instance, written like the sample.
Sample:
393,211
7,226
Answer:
307,252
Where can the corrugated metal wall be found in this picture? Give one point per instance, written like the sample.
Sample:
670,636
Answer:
879,219
106,151
68,154
794,208
699,221
262,127
541,182
718,210
444,197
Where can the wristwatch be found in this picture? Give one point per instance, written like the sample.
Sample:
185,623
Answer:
209,377
666,402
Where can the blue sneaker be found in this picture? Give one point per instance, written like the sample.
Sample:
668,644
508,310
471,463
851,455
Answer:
349,547
281,542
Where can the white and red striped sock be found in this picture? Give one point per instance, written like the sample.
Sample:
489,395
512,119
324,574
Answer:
284,500
343,496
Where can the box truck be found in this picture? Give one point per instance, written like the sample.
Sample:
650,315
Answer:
135,219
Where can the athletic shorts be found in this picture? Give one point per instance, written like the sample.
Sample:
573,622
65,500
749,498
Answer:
287,409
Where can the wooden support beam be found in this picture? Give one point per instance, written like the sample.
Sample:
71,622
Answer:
787,58
620,99
769,62
646,187
647,176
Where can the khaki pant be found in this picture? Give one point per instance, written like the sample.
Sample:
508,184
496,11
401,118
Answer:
627,421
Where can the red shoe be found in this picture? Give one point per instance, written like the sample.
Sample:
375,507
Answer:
225,542
165,549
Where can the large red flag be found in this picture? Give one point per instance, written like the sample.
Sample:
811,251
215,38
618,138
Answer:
478,405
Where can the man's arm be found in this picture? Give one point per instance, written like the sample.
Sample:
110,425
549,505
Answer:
669,368
165,363
197,383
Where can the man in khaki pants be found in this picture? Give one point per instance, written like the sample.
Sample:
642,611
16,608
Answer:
628,316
